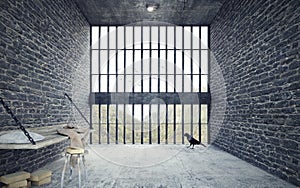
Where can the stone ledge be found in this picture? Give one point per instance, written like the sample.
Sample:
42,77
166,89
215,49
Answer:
49,132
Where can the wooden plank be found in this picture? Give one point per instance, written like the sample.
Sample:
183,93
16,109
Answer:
22,183
40,175
42,182
15,177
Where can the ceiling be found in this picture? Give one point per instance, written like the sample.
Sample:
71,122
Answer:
127,12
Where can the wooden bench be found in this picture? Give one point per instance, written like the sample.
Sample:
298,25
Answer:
49,132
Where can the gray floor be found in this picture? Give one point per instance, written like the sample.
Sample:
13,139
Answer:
165,166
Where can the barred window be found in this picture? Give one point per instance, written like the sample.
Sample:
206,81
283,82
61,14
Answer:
151,62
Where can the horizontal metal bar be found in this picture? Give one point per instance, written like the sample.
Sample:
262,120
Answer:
156,49
150,98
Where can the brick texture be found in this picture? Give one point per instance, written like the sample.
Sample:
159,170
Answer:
255,84
29,160
44,53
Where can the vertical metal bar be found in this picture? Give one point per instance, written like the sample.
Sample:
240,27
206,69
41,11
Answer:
108,53
117,106
124,125
132,121
150,85
158,123
174,106
133,61
200,74
91,89
192,121
142,126
107,122
99,124
150,131
191,71
158,63
174,124
150,82
208,83
108,74
124,113
99,106
182,109
142,85
167,107
117,117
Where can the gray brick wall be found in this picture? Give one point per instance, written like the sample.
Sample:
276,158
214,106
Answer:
29,160
255,84
44,53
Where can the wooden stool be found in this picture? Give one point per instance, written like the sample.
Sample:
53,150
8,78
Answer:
73,152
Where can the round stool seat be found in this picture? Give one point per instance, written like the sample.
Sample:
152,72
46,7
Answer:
73,150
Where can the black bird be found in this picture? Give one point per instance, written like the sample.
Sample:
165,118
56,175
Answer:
192,140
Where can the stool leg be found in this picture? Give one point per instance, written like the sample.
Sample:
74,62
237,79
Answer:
71,168
84,167
79,174
63,172
71,173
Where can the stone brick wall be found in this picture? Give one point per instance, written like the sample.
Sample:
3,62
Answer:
44,53
255,84
29,160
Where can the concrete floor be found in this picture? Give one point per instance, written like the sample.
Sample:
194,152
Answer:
165,166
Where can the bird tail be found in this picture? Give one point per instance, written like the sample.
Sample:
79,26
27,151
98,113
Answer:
202,144
199,143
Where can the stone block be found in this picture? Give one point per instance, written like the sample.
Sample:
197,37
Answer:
42,182
40,175
22,183
15,177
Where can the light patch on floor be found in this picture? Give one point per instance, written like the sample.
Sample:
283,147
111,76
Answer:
165,166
